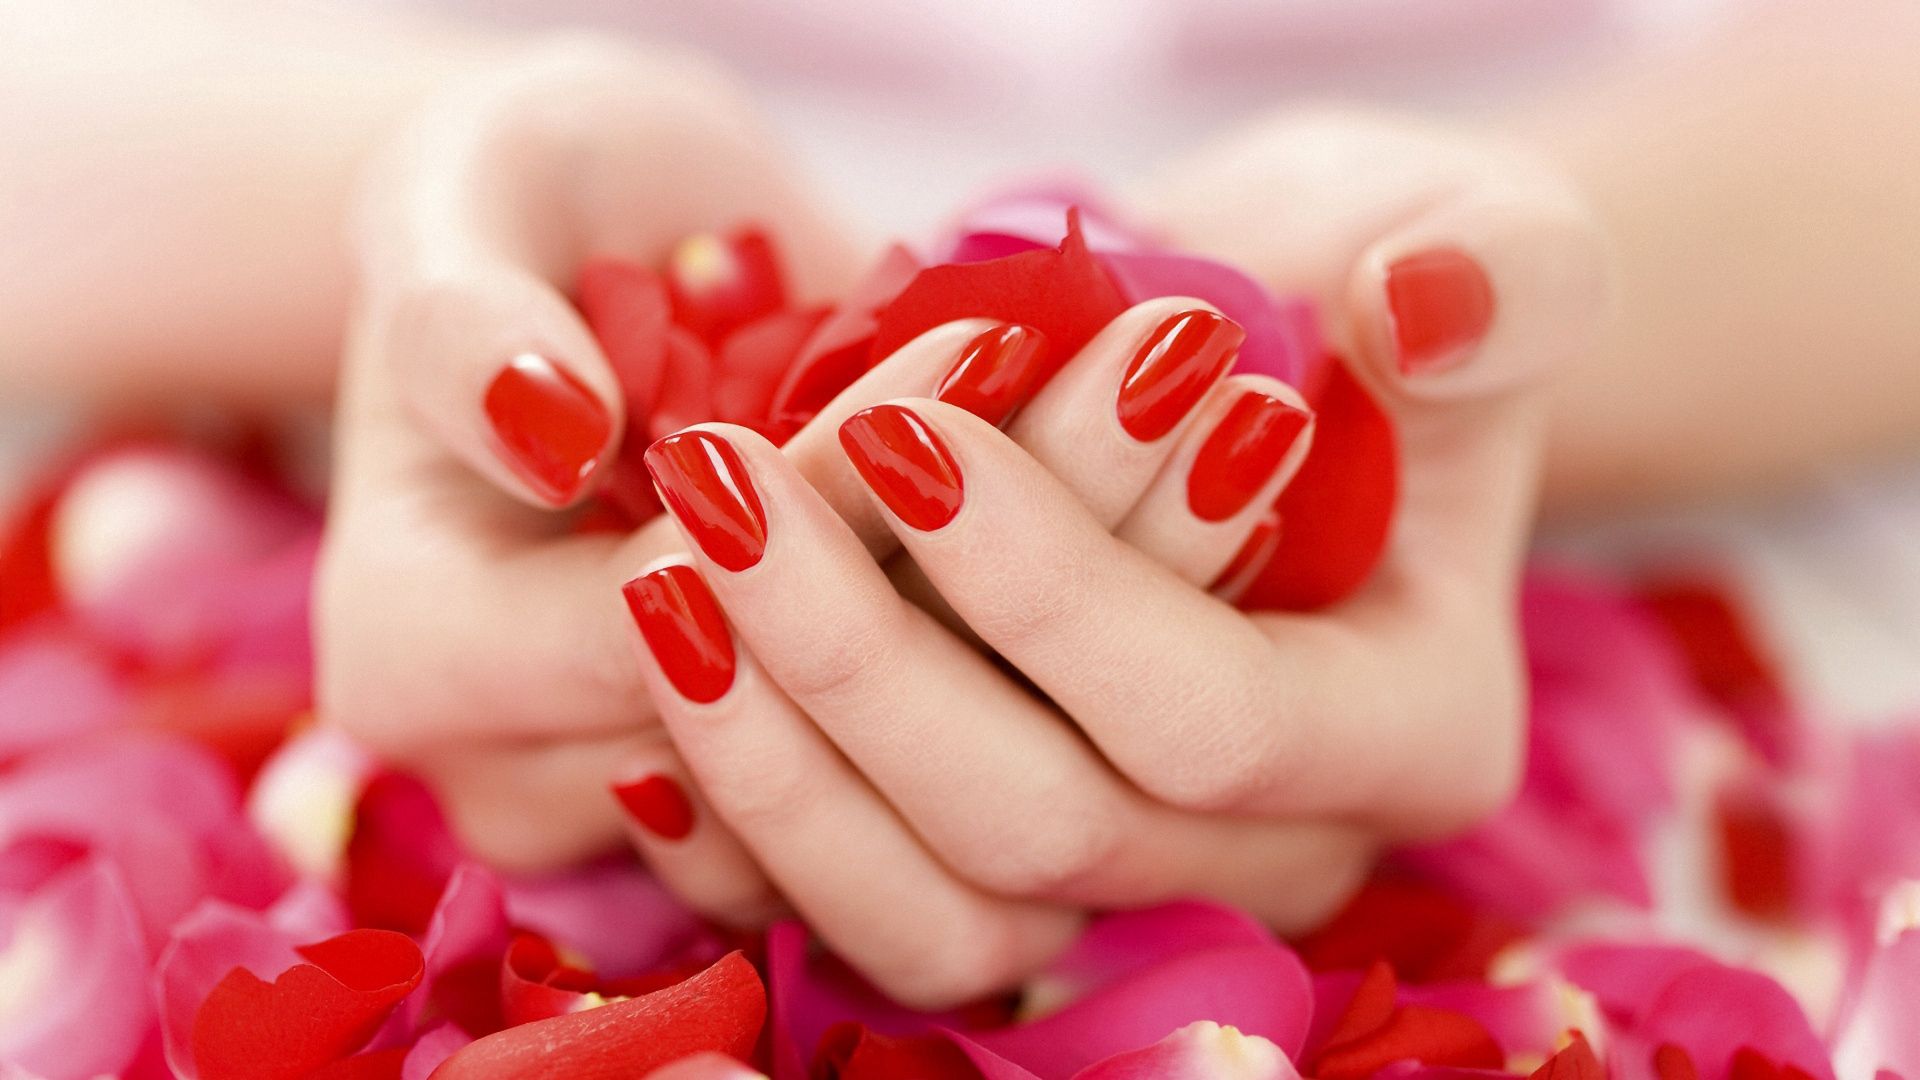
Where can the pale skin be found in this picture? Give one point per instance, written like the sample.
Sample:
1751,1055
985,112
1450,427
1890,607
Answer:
463,633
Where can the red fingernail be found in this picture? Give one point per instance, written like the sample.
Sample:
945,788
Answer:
902,460
703,480
550,427
1173,369
997,372
1239,457
684,630
1440,305
1250,560
658,804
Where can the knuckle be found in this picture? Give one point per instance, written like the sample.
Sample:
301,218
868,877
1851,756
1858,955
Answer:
960,963
841,658
1028,616
1058,861
1221,759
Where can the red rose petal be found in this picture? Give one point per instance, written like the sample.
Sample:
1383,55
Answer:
753,361
400,856
721,1010
849,1051
1671,1062
1414,1033
718,283
1062,292
625,305
1336,514
1726,657
1426,934
535,985
1370,1008
841,348
312,1014
1575,1061
378,1065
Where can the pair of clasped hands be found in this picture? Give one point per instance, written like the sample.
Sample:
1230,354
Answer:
943,673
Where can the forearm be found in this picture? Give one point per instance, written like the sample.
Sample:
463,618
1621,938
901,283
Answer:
173,191
1764,197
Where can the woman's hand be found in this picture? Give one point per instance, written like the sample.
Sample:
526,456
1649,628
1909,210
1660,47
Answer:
943,825
462,629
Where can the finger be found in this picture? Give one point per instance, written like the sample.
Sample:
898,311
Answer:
446,613
826,839
479,213
1248,439
1106,423
1002,791
1458,276
530,807
686,845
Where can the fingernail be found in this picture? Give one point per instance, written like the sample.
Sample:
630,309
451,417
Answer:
702,479
1439,306
658,804
997,372
1173,369
550,427
684,630
1241,454
1250,560
905,463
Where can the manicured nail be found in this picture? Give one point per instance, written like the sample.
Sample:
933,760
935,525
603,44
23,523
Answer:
684,630
905,463
1241,454
1173,369
1250,560
997,372
702,479
550,427
1439,305
658,804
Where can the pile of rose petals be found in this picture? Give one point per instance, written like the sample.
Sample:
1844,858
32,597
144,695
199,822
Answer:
198,881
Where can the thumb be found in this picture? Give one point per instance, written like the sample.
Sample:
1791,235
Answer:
1459,321
1456,276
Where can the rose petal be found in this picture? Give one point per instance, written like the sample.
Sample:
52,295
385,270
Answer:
1878,1031
73,986
705,1067
1336,512
304,797
1271,347
841,348
1260,989
850,1051
1062,292
720,1010
313,1013
719,283
400,856
626,306
1202,1050
753,361
432,1049
614,914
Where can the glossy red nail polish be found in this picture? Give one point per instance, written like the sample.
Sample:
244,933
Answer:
703,481
658,804
1240,455
997,372
684,630
1250,560
905,463
549,426
1440,305
1173,369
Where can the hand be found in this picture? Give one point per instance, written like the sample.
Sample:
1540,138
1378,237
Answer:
462,630
941,824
